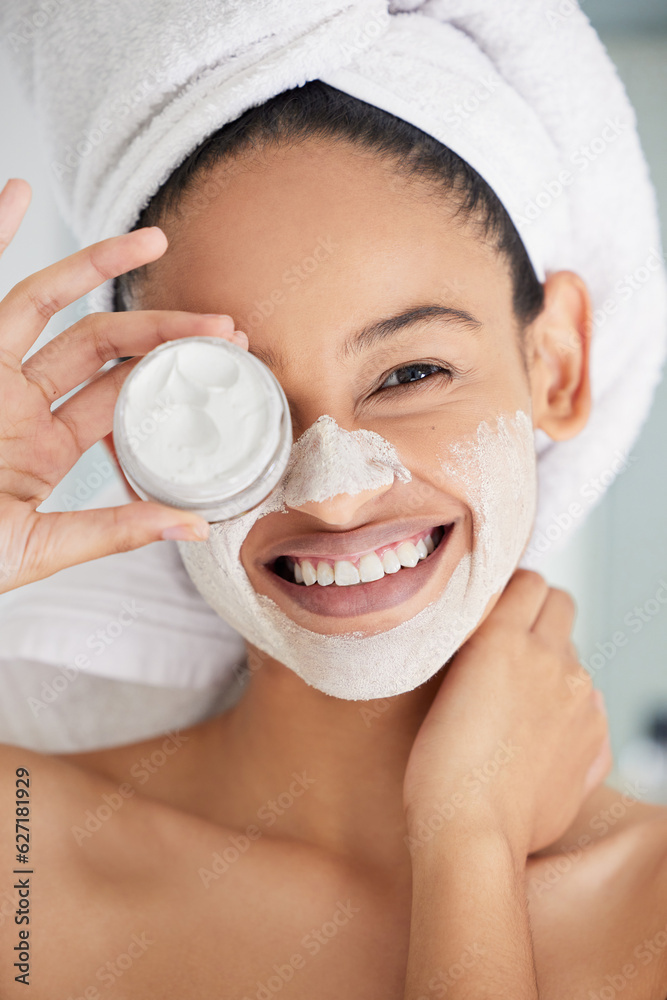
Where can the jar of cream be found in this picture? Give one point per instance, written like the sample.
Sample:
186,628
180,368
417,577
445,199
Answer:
202,425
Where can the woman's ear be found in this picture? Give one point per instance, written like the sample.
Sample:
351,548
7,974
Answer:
558,343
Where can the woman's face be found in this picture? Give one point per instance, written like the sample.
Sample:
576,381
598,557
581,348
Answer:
310,249
308,246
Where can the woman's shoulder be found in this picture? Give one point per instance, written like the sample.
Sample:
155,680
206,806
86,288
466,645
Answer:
599,897
617,843
64,816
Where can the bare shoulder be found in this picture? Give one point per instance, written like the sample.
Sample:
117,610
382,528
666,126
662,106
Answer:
33,801
40,797
77,859
49,783
599,899
82,829
25,774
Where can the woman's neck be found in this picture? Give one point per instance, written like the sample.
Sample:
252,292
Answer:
314,767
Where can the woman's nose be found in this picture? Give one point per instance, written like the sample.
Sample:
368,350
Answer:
341,508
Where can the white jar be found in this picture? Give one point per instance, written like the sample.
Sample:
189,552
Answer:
202,425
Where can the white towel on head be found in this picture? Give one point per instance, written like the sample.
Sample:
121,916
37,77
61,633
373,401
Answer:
526,94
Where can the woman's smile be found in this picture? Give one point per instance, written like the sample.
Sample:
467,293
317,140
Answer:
400,582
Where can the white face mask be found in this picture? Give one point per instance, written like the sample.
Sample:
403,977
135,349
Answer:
494,471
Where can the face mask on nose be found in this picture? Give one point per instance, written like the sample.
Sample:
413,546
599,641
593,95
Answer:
494,472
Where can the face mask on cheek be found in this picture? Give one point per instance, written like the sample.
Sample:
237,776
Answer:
493,471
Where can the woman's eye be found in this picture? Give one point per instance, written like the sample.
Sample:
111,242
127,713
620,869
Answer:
418,372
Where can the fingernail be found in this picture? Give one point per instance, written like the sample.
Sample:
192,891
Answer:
218,316
187,532
241,338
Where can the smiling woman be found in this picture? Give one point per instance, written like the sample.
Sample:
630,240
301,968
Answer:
416,749
429,319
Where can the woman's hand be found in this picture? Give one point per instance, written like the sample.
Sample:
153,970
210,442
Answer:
516,737
38,445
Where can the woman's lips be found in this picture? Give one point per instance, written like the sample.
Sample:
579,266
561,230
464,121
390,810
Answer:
363,598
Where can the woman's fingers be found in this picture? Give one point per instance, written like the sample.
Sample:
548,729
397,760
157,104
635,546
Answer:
522,599
600,767
27,308
88,414
556,618
14,200
57,540
78,353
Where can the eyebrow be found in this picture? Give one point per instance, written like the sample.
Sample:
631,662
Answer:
382,329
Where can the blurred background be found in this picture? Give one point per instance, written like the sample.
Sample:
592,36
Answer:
615,564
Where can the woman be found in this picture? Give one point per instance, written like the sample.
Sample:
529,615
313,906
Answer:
454,839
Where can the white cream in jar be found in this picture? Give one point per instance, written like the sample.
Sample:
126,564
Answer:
202,425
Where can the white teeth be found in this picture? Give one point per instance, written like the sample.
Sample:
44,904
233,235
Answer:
407,554
370,568
345,573
390,562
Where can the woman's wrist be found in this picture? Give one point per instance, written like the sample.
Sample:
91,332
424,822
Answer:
443,829
468,898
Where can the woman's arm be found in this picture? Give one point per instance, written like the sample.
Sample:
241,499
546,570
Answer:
515,740
469,936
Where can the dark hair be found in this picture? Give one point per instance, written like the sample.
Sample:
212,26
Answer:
318,110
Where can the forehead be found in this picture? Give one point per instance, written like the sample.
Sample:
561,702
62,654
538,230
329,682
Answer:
320,237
